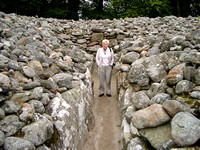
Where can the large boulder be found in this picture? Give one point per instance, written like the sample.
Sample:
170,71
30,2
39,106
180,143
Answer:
160,137
130,57
38,132
185,129
138,75
151,116
13,143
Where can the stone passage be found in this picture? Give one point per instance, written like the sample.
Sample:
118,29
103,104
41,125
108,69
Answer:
106,132
45,80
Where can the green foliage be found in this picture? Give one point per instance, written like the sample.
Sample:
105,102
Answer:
57,13
101,9
118,125
90,11
149,8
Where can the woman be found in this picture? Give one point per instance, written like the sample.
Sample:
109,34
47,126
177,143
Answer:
105,60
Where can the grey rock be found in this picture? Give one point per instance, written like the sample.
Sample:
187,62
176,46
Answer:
29,72
184,86
2,138
11,107
79,56
22,41
43,147
4,58
197,77
196,88
154,50
189,73
193,57
146,117
195,94
159,137
196,36
3,65
160,98
13,143
63,66
38,106
130,57
61,76
14,65
45,99
4,80
64,111
27,112
39,131
166,46
17,52
80,67
48,84
31,85
156,70
135,144
36,65
55,45
45,33
10,125
154,89
140,100
173,107
21,97
138,75
125,67
185,129
2,113
81,41
36,93
65,83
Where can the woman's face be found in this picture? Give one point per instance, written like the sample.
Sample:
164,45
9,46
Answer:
105,45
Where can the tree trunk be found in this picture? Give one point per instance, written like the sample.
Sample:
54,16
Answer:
178,8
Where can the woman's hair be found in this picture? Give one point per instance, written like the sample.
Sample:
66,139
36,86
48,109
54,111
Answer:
105,41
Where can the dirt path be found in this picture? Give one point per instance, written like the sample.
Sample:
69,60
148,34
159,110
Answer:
106,133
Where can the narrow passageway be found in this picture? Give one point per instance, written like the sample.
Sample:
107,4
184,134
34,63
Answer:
106,133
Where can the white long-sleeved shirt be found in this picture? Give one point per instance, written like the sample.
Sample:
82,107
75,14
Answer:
105,57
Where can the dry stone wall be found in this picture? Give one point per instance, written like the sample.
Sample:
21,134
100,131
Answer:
46,88
46,85
158,84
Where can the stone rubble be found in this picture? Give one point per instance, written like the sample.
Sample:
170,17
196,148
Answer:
46,90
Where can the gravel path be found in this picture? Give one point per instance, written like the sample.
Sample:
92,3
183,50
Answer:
106,133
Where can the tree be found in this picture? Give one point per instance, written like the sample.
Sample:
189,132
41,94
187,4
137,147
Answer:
56,9
73,9
101,9
184,8
23,7
195,8
135,8
96,9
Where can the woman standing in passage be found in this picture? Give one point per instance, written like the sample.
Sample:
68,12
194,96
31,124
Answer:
105,60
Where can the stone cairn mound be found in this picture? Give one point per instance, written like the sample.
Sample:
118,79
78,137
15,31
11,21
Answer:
46,85
46,89
159,84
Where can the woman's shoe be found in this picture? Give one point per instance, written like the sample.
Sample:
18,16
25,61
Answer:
100,95
109,95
